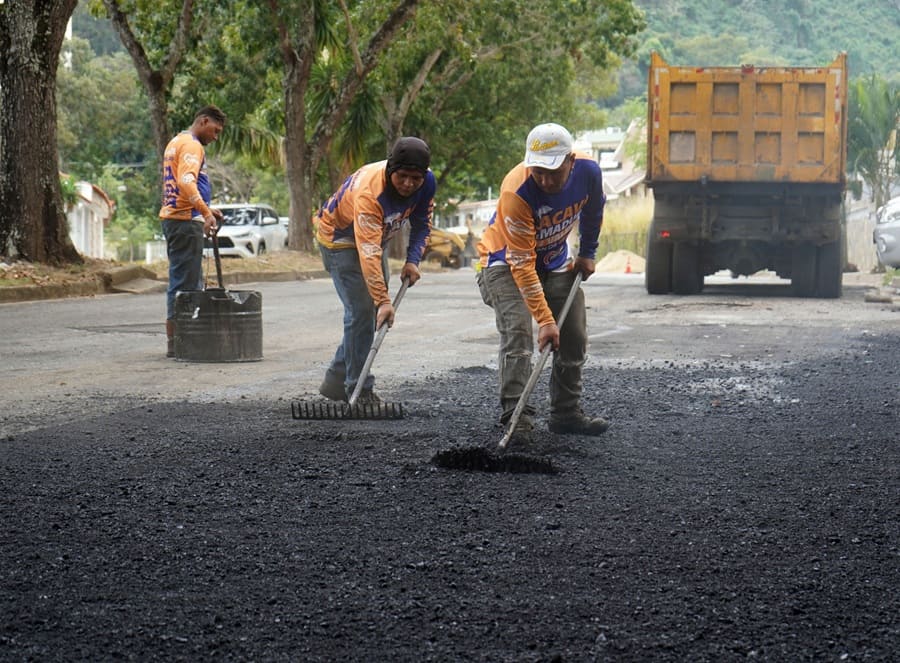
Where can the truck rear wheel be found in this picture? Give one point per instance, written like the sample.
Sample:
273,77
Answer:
686,276
829,272
803,270
658,270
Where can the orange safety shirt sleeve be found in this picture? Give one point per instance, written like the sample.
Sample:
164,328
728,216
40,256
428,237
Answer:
515,224
368,230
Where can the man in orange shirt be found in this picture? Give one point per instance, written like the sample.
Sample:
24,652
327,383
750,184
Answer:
352,229
528,269
185,213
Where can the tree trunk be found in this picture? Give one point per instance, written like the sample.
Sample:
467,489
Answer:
303,155
157,82
159,121
32,215
300,231
297,70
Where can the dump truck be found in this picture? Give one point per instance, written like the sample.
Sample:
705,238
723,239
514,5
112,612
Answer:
748,169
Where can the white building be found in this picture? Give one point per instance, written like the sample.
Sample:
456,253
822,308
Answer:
88,218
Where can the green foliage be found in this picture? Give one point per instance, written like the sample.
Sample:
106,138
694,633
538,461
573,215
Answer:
100,34
129,234
238,71
69,191
469,107
762,32
101,113
502,67
873,145
792,33
135,221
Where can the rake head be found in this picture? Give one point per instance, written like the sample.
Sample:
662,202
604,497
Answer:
340,411
481,459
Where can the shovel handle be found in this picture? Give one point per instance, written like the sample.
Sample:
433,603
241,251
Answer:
215,243
376,344
538,367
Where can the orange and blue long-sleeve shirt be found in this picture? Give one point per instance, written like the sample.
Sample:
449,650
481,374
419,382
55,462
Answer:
530,228
186,189
363,215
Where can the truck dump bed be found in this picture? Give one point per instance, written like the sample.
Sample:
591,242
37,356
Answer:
747,124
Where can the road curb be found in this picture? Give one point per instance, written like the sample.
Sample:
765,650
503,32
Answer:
135,280
26,293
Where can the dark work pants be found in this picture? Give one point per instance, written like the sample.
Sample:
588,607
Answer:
184,247
515,324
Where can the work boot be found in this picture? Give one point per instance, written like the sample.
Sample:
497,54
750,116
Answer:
576,423
368,398
333,390
522,433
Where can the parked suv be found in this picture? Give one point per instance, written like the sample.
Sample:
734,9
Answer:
248,230
887,233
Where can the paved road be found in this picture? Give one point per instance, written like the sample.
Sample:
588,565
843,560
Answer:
65,359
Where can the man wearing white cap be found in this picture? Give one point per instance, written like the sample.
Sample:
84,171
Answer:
528,269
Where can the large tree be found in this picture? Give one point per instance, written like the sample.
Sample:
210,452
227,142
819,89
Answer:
474,76
306,143
157,35
32,213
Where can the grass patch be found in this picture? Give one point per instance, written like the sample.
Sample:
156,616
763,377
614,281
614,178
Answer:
625,226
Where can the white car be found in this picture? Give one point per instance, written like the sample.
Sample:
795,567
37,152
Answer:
285,221
887,233
248,230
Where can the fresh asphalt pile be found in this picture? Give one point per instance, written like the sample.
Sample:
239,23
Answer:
735,509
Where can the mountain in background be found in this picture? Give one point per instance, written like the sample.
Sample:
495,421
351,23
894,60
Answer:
766,32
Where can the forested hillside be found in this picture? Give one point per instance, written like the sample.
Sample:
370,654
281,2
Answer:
768,32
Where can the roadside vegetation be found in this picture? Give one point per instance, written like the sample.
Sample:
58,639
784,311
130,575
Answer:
305,110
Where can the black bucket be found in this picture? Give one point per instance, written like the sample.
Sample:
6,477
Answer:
218,325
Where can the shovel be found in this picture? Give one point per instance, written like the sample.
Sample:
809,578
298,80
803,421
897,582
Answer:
218,259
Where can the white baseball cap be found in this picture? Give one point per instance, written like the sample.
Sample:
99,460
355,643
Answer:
547,146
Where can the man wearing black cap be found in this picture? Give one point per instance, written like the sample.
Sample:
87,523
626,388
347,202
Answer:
352,229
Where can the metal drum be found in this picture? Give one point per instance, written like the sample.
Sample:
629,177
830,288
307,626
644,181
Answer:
218,325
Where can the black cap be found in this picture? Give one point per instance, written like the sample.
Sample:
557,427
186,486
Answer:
409,152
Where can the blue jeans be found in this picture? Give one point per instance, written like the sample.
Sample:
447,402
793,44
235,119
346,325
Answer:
514,322
184,247
359,316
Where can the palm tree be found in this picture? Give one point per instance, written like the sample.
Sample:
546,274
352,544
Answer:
873,144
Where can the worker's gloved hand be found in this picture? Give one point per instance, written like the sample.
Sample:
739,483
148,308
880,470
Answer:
548,334
385,315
